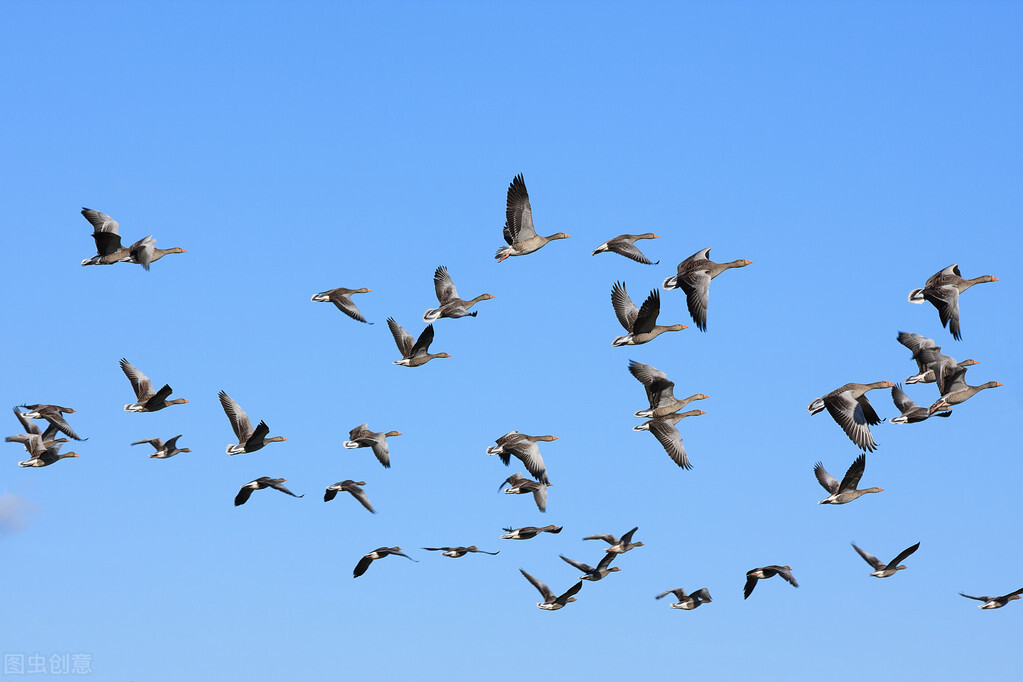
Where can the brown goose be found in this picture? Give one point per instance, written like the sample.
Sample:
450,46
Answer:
550,602
342,299
163,450
144,252
362,437
693,277
31,429
378,553
413,353
528,532
54,415
349,486
753,575
641,323
995,602
593,574
108,241
659,391
518,227
259,484
911,412
882,570
450,304
942,290
687,602
624,244
456,552
846,490
249,439
520,485
39,454
848,405
932,364
618,546
960,392
147,399
524,448
668,436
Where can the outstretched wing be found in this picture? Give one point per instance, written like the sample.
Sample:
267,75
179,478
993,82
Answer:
239,420
869,558
853,474
443,285
140,383
402,338
518,224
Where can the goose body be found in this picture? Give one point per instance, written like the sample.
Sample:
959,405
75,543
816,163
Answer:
378,553
450,304
362,437
551,602
249,439
519,232
882,570
687,602
40,455
261,483
342,300
844,492
524,448
849,407
618,545
765,572
668,436
640,323
693,276
624,245
413,352
659,391
959,392
942,290
147,399
349,486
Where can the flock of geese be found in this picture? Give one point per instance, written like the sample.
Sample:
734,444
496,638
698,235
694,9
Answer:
848,405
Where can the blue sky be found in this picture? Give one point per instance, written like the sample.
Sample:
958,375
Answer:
850,150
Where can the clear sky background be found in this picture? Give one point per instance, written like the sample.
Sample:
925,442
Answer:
850,150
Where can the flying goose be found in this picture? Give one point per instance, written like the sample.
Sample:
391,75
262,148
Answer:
378,553
259,484
456,552
108,241
520,485
147,399
932,364
753,575
848,405
518,227
550,602
349,486
911,412
668,436
959,391
624,244
413,353
593,573
249,439
39,455
362,437
54,415
524,448
995,602
942,290
659,391
31,429
163,450
342,298
841,493
618,546
528,532
450,304
693,277
640,323
882,570
687,602
144,252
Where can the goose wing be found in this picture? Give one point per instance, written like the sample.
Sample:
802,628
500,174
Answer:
827,481
903,554
518,226
648,312
140,383
585,568
343,302
571,592
902,401
629,250
659,389
946,300
850,416
625,310
402,338
101,222
671,440
443,285
276,485
529,453
360,494
679,593
853,474
544,590
239,420
869,558
422,346
26,423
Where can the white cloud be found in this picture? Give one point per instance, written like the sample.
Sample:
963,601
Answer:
15,513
